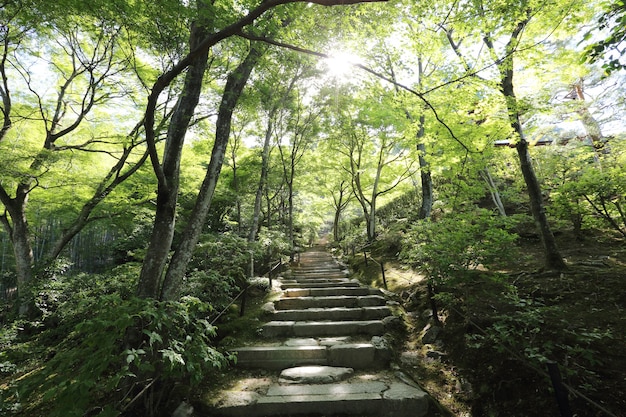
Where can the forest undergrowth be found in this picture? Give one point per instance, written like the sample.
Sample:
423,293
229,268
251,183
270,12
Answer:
501,326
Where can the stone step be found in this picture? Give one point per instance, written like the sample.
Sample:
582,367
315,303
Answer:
317,265
322,328
319,276
353,355
369,396
317,271
322,280
324,292
332,313
286,284
298,303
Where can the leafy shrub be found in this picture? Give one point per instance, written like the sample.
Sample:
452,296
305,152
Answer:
273,243
68,298
128,347
457,243
354,236
132,247
219,268
605,193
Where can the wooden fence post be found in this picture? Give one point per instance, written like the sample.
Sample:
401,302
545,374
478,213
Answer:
382,269
244,296
559,390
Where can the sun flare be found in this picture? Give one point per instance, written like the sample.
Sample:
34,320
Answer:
341,64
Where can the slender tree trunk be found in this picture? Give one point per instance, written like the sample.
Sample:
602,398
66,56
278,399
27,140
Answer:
19,234
371,229
268,208
493,191
591,125
553,258
167,193
254,227
336,220
233,157
339,206
292,238
24,261
427,182
232,91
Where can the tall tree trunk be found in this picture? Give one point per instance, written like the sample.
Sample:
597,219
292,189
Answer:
426,207
340,204
167,192
19,234
292,237
427,182
254,226
553,258
232,91
371,222
24,260
233,157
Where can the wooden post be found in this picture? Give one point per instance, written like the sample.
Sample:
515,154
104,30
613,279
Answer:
382,269
270,274
244,295
365,256
251,264
559,390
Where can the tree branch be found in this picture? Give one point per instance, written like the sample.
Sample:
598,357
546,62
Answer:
167,77
421,96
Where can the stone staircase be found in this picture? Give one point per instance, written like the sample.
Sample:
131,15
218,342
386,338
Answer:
323,353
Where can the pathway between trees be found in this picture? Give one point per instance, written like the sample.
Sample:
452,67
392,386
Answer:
324,353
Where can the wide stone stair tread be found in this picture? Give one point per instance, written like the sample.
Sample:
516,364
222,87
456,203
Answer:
332,291
293,303
322,328
317,284
318,281
332,313
371,395
362,355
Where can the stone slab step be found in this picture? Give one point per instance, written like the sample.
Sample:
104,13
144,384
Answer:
281,357
296,303
389,398
352,355
286,284
301,277
332,313
323,292
314,375
321,280
322,328
325,264
319,271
